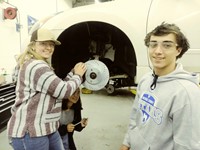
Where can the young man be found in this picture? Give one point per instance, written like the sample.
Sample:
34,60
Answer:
166,109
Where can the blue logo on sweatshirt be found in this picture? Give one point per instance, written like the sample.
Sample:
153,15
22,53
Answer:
146,105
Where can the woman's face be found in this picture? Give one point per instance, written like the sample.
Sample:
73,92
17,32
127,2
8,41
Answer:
74,98
44,48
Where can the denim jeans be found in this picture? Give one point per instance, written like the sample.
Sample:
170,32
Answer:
48,142
65,142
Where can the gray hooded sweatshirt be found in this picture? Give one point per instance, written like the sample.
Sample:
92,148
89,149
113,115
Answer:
166,116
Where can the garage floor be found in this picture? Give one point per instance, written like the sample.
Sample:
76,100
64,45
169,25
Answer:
108,120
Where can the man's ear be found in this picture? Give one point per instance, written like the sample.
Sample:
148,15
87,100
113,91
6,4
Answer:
178,51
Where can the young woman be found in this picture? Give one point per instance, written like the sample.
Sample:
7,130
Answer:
39,93
71,120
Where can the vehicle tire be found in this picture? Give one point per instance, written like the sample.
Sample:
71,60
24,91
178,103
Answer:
110,89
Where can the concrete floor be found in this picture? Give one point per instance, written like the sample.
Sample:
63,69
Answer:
108,118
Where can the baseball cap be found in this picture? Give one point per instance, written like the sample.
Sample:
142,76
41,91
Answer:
44,35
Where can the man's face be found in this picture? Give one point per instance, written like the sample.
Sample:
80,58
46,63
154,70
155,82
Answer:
163,51
45,49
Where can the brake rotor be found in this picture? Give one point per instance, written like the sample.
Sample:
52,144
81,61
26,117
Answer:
96,76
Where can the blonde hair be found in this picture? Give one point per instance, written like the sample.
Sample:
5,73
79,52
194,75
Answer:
30,53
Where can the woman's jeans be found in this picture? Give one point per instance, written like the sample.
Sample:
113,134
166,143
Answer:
65,141
48,142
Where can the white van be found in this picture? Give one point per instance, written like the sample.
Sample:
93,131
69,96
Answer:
114,32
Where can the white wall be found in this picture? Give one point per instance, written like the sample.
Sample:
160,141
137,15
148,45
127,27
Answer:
42,8
12,41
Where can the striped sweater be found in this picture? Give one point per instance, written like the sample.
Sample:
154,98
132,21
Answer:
39,94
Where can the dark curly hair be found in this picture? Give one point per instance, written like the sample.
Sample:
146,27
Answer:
165,29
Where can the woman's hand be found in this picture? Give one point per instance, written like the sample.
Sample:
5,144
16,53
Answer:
84,122
124,147
80,69
70,127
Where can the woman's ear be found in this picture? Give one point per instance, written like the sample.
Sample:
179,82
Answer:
32,46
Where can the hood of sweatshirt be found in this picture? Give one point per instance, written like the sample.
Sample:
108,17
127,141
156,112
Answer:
177,74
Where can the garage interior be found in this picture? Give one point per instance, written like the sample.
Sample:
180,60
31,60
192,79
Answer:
108,110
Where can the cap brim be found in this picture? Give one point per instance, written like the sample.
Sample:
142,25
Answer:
57,42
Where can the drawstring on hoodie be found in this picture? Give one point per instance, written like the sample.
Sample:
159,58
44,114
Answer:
153,85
